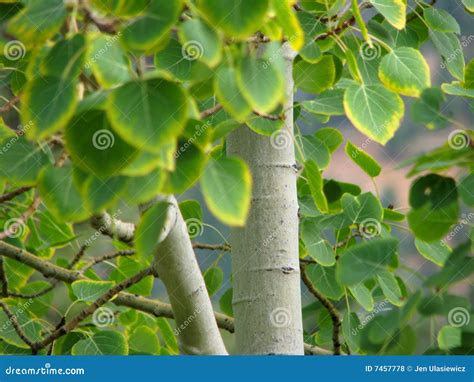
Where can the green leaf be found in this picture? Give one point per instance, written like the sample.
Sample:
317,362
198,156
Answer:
363,296
48,103
237,18
362,209
148,114
65,59
365,161
350,331
58,191
315,182
324,279
318,249
119,7
437,252
374,110
225,302
469,4
390,287
100,194
127,267
227,185
449,337
201,42
102,343
405,71
365,260
94,146
435,207
148,31
264,126
261,83
148,232
213,278
38,21
440,20
331,138
427,109
315,78
142,189
229,95
289,23
456,88
466,189
143,341
394,11
107,61
391,215
21,161
313,148
449,47
89,291
329,102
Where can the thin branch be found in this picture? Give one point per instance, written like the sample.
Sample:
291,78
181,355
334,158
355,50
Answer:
109,256
270,116
333,312
13,194
78,256
9,105
211,111
111,293
103,26
115,228
16,325
3,279
153,307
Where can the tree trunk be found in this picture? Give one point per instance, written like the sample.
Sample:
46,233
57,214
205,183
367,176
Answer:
176,263
265,260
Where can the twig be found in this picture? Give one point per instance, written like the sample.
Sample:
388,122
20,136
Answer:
9,105
211,111
110,256
3,279
16,325
13,194
78,256
112,292
333,312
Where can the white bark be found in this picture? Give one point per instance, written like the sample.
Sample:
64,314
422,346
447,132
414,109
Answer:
265,260
178,268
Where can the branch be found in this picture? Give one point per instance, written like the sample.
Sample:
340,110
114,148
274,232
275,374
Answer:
109,256
3,279
153,307
212,247
13,194
16,325
211,111
107,296
115,228
333,312
9,105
